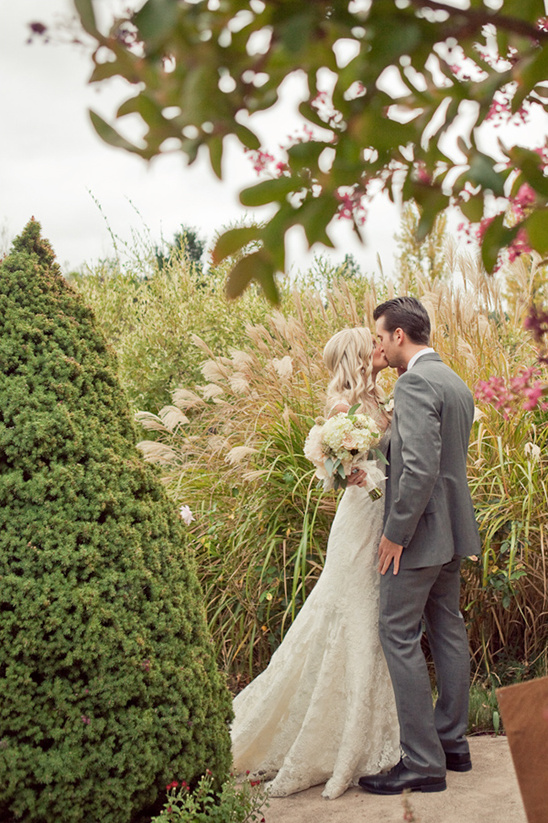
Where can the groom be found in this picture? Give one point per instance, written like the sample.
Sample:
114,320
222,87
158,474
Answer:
429,526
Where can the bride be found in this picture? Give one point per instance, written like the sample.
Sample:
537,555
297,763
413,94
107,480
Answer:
323,710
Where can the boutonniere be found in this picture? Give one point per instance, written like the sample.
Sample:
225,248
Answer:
388,405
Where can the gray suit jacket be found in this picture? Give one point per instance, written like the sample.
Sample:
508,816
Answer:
429,510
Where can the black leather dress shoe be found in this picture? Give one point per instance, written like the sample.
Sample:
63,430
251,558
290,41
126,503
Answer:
398,779
458,762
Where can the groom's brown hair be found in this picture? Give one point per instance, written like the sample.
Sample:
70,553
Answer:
408,314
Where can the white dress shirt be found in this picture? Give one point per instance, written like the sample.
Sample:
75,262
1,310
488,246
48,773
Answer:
416,356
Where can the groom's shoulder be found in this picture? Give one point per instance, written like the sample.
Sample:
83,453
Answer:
431,363
434,370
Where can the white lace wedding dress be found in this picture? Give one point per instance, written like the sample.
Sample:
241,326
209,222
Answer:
323,711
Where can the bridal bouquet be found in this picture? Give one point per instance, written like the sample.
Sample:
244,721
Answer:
343,443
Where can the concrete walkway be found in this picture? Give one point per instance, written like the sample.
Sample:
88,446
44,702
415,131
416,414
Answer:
487,794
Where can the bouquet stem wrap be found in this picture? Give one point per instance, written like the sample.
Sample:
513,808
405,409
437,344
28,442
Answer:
375,478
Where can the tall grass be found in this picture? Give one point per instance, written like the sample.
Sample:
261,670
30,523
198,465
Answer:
232,449
149,315
229,445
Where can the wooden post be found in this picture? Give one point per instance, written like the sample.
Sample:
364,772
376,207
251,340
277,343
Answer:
524,711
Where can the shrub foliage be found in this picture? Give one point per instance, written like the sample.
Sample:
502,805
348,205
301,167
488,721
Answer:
108,683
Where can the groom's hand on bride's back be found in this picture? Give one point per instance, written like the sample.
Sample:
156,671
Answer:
389,552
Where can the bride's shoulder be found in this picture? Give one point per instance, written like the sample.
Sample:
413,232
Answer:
336,404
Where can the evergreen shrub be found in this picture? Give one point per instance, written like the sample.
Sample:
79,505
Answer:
108,683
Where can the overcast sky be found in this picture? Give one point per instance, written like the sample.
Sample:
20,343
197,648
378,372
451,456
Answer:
54,167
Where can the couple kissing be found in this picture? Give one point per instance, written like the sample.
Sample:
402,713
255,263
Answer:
346,698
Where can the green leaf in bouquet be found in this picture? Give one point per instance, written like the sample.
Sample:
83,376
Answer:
340,469
353,409
329,465
376,454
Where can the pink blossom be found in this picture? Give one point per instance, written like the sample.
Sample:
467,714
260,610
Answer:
498,110
352,207
533,394
520,381
261,160
518,246
537,322
320,99
423,176
525,196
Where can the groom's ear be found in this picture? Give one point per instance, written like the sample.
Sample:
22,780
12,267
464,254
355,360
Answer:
399,336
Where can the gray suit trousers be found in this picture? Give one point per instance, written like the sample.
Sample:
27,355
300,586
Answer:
432,594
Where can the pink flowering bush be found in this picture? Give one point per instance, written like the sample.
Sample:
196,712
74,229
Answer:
526,391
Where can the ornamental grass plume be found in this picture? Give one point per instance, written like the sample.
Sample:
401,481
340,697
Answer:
108,683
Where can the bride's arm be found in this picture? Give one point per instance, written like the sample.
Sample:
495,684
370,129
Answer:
340,407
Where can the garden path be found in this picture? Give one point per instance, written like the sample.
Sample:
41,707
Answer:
487,794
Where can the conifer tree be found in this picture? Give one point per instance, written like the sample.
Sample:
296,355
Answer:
108,683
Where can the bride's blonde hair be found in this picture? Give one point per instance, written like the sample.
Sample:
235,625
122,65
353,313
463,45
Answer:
349,358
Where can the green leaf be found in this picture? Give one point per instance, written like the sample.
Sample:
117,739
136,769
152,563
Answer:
496,237
492,243
482,172
315,214
84,9
296,33
328,463
104,71
353,409
246,137
527,10
532,71
150,111
274,232
268,191
529,163
111,136
215,148
156,19
536,226
200,97
472,209
306,154
312,115
257,267
378,455
233,241
432,202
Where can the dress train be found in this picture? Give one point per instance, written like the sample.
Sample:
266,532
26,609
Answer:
323,710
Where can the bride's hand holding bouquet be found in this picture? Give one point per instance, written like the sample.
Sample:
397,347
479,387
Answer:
345,443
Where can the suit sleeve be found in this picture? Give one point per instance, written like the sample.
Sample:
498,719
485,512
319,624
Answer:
418,410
